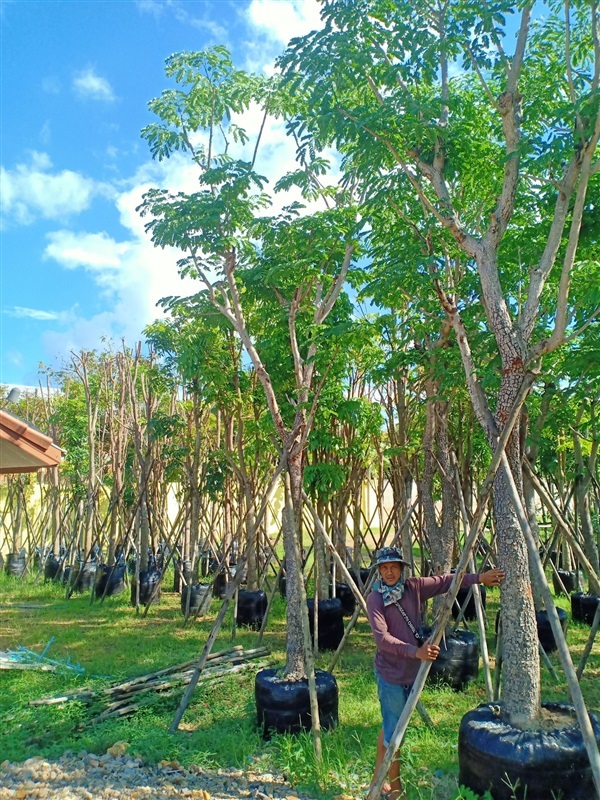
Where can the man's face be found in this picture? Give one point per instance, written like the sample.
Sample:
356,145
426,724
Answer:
390,572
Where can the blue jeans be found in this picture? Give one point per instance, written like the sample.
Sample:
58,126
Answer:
392,699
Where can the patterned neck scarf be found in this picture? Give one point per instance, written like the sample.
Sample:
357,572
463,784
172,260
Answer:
390,594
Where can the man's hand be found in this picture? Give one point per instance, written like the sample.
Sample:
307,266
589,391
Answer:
493,577
428,651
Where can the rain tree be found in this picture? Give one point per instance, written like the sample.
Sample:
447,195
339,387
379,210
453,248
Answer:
246,254
473,128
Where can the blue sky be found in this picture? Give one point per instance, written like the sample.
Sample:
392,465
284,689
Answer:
75,81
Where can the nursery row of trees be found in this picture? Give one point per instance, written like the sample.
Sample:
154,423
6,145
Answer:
430,264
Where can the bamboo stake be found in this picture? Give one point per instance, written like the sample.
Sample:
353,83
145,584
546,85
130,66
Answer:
498,671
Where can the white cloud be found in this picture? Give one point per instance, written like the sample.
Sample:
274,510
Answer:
130,274
272,24
95,252
39,314
153,7
90,86
281,20
31,190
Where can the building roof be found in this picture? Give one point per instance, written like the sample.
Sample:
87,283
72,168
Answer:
23,447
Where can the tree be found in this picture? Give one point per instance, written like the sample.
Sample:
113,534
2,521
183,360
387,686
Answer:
497,162
300,260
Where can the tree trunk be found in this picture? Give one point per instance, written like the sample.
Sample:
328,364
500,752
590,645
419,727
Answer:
295,664
520,664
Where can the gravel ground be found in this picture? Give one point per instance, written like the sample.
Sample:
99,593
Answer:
116,775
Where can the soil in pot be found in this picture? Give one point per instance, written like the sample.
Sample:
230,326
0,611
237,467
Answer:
570,579
283,706
364,575
111,580
542,763
52,569
346,596
16,564
187,574
83,575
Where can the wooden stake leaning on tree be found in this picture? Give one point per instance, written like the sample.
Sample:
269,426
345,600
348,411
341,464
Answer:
446,608
535,564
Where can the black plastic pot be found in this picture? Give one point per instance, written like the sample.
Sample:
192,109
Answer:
545,634
111,580
283,706
583,607
16,564
364,576
251,609
330,622
52,569
199,594
539,764
221,581
458,660
470,612
149,579
569,579
83,576
346,596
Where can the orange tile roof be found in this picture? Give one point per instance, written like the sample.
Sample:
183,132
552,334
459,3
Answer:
23,447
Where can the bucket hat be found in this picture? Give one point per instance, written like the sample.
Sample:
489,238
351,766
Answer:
385,555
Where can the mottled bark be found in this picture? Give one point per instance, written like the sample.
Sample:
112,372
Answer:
520,666
295,666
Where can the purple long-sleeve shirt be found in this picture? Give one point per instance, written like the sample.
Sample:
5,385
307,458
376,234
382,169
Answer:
396,659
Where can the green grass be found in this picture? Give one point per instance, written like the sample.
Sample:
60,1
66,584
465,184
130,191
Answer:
112,643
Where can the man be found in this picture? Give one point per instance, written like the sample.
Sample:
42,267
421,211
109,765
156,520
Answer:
394,608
